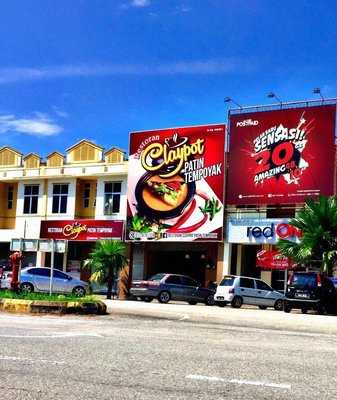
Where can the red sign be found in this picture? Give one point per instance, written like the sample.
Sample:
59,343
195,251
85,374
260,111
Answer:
281,156
82,229
176,184
267,259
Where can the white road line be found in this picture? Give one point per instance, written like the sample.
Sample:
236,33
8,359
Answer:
53,336
239,381
184,318
29,360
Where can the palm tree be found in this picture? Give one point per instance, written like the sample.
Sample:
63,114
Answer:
318,246
107,258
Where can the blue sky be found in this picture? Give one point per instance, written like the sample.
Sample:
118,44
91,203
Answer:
99,69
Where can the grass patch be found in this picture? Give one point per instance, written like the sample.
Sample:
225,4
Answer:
7,294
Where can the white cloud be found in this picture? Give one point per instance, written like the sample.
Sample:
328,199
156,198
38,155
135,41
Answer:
38,125
140,3
202,67
59,112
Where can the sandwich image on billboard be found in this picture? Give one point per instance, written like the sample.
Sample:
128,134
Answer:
282,156
176,184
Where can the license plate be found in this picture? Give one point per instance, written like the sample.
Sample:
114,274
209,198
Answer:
302,295
219,297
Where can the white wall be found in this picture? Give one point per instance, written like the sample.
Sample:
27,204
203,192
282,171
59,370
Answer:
100,197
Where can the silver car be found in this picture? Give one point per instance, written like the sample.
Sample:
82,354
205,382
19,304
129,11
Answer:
35,279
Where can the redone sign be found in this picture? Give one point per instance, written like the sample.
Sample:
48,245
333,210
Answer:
261,231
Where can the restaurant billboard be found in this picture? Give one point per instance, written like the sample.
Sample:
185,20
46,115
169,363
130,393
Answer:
176,184
281,156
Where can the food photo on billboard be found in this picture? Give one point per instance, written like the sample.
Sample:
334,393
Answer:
176,184
281,156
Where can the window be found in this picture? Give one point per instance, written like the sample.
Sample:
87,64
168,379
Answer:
60,198
227,281
247,283
188,281
112,197
10,192
262,285
60,275
173,280
30,199
86,195
40,271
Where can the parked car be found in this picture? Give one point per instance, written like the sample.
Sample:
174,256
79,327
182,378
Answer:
34,279
166,287
238,290
310,290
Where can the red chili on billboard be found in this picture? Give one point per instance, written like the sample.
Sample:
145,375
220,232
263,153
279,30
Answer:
176,183
81,229
281,156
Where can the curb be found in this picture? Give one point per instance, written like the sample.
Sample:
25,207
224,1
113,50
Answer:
52,307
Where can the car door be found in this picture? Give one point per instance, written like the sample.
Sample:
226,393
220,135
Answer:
265,294
60,282
246,290
41,278
174,285
190,288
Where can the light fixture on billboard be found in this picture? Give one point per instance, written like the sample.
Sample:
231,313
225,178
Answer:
230,100
187,256
317,90
272,95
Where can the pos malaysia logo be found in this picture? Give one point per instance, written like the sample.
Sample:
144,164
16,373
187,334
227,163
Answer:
278,152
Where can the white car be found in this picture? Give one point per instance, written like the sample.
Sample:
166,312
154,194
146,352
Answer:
238,290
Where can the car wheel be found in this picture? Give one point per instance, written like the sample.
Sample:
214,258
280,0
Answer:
304,310
278,306
262,307
287,308
209,301
220,303
237,302
79,291
320,309
164,297
192,303
26,287
147,299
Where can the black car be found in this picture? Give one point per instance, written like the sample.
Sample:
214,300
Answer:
166,287
310,290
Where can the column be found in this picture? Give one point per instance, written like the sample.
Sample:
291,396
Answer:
40,259
239,260
224,260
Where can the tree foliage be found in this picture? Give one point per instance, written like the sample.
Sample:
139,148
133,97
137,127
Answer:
105,261
318,246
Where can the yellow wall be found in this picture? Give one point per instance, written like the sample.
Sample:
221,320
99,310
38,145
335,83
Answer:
9,158
32,162
115,156
7,216
55,160
80,211
84,152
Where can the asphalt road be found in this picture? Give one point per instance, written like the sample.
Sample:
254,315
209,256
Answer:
124,357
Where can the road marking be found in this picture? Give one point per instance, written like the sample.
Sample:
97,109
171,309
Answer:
238,381
53,336
20,359
184,318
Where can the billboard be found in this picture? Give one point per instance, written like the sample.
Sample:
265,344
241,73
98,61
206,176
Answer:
82,229
175,184
282,156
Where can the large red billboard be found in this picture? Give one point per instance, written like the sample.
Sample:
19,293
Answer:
82,229
176,183
282,156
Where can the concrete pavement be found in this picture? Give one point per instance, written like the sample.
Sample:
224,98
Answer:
244,317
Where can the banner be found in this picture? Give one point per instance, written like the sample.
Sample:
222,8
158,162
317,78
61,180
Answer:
82,229
176,183
282,156
273,260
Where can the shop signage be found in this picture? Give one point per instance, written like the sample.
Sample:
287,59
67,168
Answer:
82,229
268,259
176,184
261,231
282,156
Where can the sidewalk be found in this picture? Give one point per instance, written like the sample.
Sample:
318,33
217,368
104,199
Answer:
250,317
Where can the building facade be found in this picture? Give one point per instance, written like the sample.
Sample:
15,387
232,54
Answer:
86,183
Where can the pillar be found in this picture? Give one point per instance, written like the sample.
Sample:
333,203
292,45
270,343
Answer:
224,261
40,259
239,260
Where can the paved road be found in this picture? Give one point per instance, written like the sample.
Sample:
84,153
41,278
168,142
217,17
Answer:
121,357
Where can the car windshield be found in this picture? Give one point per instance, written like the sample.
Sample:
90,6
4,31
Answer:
227,281
304,280
157,277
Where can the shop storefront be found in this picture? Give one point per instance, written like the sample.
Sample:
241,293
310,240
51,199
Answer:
81,236
175,201
249,236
